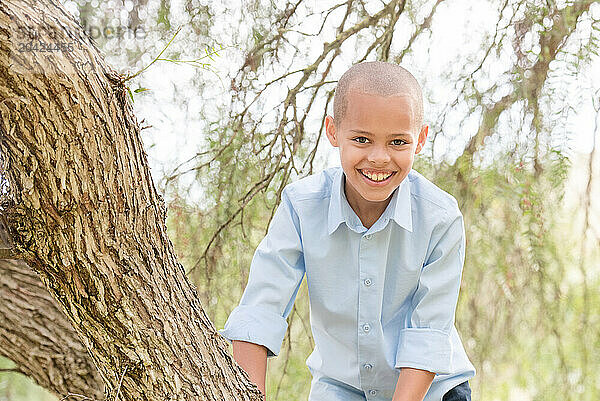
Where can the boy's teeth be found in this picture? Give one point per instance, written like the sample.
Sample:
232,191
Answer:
377,176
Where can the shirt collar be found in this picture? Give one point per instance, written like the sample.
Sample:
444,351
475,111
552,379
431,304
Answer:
399,208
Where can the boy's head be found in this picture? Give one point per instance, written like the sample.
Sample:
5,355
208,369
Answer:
378,127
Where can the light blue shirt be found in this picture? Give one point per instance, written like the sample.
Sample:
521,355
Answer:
381,298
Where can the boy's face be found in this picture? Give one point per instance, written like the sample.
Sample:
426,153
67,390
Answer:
378,139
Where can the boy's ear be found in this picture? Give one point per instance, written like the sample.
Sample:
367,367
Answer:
330,131
422,138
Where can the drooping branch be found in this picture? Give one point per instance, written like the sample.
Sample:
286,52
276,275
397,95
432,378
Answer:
550,42
528,90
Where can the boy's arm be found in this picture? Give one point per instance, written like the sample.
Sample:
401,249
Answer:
257,326
426,341
412,384
253,359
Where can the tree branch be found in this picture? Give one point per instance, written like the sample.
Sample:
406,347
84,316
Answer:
83,208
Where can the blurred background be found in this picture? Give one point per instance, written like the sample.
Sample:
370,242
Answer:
233,110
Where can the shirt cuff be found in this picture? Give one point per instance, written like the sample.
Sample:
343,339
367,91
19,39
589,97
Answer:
256,325
426,349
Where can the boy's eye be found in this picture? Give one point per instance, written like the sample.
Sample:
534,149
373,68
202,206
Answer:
398,142
361,139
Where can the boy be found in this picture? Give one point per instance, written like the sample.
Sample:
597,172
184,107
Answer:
382,249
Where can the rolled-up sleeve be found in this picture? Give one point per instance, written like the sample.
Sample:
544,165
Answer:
276,272
426,341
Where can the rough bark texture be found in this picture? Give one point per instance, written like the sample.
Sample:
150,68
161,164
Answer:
38,338
83,212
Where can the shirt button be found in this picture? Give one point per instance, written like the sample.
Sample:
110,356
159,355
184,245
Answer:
368,236
373,392
368,282
368,366
366,327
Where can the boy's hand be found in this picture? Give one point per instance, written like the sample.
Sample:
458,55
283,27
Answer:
253,359
412,384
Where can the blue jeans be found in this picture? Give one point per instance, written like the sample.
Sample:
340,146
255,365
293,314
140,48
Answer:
462,392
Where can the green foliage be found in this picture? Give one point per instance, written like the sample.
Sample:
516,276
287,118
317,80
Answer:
521,309
14,386
163,14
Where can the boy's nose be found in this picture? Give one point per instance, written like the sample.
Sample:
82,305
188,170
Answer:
378,155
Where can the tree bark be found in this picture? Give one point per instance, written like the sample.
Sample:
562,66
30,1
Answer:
38,338
83,212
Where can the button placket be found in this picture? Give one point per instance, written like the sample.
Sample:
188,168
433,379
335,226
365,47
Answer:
367,339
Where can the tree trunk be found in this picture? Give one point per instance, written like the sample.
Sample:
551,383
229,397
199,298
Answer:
38,338
83,212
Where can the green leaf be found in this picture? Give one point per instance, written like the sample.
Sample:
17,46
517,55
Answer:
138,90
130,94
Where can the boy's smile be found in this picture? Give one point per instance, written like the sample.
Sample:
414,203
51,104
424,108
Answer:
378,138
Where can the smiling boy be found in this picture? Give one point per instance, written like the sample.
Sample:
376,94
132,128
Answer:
382,249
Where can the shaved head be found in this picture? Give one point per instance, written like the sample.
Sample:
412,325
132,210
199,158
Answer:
377,78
